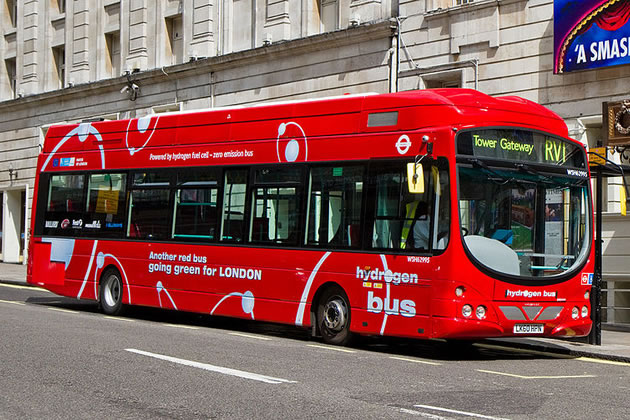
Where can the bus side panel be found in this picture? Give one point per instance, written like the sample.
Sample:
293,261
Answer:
46,272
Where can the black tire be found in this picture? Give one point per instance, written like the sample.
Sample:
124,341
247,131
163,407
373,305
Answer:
333,317
111,292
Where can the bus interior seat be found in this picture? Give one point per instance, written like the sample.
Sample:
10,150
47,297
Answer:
260,229
353,234
493,253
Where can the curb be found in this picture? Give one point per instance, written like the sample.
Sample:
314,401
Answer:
558,349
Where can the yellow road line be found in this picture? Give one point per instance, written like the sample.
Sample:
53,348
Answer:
13,302
117,318
512,375
330,348
186,327
17,286
68,311
257,337
424,362
603,361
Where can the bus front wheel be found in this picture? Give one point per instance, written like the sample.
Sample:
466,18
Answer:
333,317
111,292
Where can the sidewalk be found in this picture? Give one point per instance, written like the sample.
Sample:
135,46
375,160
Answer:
615,344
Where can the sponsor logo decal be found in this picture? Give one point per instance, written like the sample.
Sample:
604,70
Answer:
66,162
388,276
530,293
375,304
587,279
113,225
96,224
52,224
65,223
77,224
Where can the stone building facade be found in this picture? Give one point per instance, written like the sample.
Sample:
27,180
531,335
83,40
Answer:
71,60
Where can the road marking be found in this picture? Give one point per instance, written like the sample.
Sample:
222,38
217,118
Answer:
68,311
331,348
218,369
421,414
16,286
257,337
536,377
186,327
118,318
405,359
604,361
13,302
526,351
463,413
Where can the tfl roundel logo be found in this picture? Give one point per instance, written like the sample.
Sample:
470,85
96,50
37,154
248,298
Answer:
291,144
403,144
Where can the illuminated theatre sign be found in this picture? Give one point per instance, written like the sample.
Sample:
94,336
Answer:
590,33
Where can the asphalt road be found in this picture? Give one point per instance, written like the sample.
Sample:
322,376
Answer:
61,358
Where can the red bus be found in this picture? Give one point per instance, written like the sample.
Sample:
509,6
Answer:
437,213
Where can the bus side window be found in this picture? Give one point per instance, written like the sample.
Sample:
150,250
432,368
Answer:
196,205
106,204
276,199
407,221
334,209
442,205
149,211
233,212
65,205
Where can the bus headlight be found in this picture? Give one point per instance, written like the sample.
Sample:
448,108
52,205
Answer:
575,313
459,291
584,311
586,295
481,312
467,311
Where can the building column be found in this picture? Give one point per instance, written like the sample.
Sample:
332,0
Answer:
11,226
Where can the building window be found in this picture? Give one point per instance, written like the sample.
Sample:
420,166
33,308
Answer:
443,79
458,2
59,61
112,45
328,15
175,40
61,6
11,76
12,12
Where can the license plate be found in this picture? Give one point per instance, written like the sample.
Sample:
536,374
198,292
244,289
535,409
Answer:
529,329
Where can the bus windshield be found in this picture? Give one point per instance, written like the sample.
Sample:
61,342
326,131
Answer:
526,215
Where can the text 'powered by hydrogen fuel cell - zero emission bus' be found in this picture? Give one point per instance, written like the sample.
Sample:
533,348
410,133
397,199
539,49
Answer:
437,213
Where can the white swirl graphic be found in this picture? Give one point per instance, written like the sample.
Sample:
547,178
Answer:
292,147
82,131
247,302
143,124
160,288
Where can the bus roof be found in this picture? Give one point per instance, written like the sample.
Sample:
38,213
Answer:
348,114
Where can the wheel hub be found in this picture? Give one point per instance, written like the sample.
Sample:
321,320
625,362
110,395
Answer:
335,315
112,291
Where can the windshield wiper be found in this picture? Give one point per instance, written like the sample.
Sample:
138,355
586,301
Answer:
482,165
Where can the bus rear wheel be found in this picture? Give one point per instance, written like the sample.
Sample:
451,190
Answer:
333,317
111,292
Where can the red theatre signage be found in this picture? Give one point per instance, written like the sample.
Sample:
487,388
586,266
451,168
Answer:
591,33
